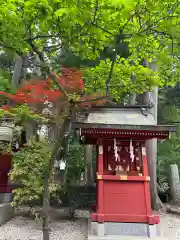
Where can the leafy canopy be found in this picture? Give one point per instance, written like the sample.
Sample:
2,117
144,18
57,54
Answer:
149,29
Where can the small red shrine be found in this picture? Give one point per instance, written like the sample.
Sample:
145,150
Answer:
7,138
123,205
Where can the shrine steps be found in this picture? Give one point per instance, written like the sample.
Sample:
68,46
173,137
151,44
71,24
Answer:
6,212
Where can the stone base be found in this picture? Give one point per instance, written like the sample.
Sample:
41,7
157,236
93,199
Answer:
123,229
5,197
112,237
6,212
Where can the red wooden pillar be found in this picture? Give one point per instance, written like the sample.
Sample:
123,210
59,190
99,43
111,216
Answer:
152,218
5,167
100,208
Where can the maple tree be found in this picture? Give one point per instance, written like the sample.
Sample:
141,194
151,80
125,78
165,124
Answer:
54,89
65,93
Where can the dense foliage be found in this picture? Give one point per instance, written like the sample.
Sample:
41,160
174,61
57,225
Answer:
168,151
125,32
75,163
29,166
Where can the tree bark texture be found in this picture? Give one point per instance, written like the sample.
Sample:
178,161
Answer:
89,177
65,128
17,71
20,70
132,99
132,96
148,98
37,68
152,151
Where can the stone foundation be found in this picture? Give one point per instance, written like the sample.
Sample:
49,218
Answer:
5,197
6,212
122,229
112,237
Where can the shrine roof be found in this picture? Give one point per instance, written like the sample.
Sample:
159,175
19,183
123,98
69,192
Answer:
137,118
7,130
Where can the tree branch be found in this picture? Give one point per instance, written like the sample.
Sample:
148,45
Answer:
60,87
36,50
95,10
129,19
37,64
89,100
42,36
110,75
103,29
53,47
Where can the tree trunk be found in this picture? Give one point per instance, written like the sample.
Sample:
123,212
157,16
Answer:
152,155
31,130
132,99
132,96
152,151
148,98
65,128
30,126
38,69
17,71
89,178
20,70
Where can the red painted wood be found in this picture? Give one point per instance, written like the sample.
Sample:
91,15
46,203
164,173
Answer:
93,134
146,184
129,178
5,188
93,207
154,219
124,198
5,167
97,186
5,163
126,218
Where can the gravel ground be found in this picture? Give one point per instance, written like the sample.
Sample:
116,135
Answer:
24,228
170,225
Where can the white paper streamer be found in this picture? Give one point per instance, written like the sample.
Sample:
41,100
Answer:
115,150
131,151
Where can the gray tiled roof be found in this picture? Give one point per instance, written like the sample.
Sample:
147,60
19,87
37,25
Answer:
120,116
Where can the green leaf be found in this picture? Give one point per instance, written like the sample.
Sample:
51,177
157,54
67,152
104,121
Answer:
61,12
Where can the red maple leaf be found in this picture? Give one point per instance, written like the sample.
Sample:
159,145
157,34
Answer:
37,92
